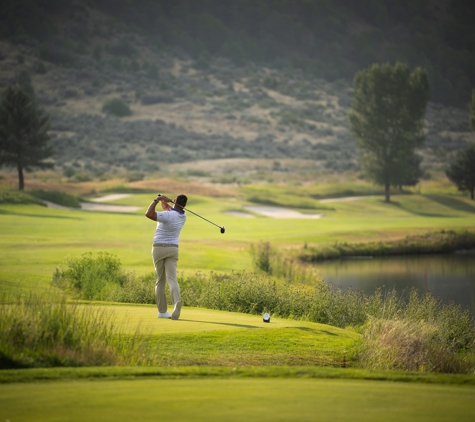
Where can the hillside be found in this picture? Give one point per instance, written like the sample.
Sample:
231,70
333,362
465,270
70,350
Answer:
187,107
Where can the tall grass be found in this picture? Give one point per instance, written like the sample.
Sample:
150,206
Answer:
419,333
49,331
443,241
268,259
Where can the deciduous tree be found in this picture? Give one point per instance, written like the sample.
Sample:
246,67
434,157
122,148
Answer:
472,108
387,119
24,139
462,171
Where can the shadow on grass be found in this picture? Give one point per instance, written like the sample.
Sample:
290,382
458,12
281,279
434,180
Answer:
20,214
413,211
220,323
455,204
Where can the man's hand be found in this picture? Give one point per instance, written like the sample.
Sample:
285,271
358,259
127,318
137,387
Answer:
164,199
166,206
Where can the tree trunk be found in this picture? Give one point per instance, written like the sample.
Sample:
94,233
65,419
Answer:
387,192
21,180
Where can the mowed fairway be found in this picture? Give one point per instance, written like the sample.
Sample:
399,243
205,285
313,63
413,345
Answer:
36,240
215,399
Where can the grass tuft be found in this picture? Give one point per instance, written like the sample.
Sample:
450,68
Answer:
44,331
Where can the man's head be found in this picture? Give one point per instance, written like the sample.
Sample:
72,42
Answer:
181,201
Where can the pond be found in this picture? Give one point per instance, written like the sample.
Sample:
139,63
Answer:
450,277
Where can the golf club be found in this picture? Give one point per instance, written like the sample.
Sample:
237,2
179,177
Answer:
222,229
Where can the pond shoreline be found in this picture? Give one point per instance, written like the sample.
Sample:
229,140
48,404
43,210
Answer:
441,242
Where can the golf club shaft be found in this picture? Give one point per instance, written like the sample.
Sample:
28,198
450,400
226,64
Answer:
187,209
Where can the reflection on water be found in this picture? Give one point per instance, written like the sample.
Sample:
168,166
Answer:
450,277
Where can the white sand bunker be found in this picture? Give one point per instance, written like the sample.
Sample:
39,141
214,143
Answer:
276,212
240,214
87,206
111,197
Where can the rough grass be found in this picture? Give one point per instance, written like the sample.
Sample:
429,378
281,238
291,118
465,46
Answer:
444,241
57,197
48,331
443,338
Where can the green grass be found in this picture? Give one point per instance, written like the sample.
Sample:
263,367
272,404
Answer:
36,240
214,338
235,399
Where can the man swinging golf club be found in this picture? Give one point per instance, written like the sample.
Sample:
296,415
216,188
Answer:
165,250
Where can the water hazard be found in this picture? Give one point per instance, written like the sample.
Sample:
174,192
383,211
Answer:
450,277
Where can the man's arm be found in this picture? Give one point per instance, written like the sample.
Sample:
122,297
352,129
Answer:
151,213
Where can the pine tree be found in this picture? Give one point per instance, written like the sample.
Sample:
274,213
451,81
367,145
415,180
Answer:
24,139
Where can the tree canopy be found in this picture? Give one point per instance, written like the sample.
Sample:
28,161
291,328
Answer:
387,119
24,139
472,108
462,171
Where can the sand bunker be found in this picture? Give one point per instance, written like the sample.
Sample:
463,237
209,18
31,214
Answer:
276,212
240,214
87,206
111,197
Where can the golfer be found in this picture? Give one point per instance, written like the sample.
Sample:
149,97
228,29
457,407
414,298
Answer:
165,250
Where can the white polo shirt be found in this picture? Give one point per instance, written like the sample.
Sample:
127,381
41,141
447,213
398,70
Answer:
169,225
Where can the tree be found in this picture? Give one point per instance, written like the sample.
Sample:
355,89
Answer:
472,107
462,171
387,119
24,139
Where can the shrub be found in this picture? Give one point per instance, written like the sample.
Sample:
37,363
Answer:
80,177
91,277
123,48
8,196
40,68
135,176
60,198
116,107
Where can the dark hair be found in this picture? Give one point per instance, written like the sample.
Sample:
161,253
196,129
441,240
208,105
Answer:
181,200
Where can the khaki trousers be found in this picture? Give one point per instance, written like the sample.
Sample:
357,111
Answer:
165,261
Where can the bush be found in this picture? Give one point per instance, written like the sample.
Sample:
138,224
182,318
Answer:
8,196
80,177
60,198
91,277
134,176
116,107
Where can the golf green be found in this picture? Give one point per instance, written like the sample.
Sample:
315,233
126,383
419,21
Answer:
235,400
